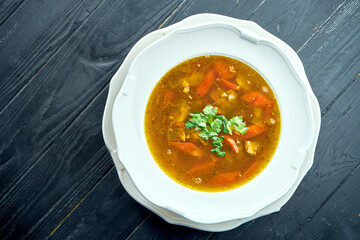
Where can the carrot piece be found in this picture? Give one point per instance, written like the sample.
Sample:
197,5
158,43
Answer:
206,84
201,168
188,148
252,131
170,94
227,85
224,178
251,170
223,69
257,99
231,142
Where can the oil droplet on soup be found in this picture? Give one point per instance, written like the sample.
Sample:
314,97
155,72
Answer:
234,89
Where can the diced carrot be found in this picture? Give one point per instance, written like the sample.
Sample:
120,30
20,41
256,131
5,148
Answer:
223,69
252,131
170,94
188,148
231,142
206,84
257,99
201,168
227,85
224,178
251,170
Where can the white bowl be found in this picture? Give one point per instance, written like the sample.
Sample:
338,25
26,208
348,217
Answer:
297,131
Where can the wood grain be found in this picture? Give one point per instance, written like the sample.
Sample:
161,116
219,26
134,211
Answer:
294,21
30,38
332,57
168,231
40,123
237,9
338,218
108,213
63,175
7,9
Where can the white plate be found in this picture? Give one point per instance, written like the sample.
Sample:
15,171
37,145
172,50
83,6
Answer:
297,126
114,88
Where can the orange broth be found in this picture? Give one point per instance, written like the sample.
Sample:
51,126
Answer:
235,89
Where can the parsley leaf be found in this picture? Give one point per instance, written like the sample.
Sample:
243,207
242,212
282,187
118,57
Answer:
198,120
210,111
216,125
217,142
237,124
210,125
208,133
218,152
224,123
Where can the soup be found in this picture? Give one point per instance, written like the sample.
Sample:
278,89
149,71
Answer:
212,123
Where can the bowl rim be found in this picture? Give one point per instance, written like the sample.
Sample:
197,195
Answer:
124,91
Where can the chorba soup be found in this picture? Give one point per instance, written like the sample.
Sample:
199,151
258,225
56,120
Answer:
212,123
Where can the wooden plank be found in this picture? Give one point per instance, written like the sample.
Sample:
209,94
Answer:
56,183
7,8
41,125
109,213
237,9
32,35
155,227
339,217
332,57
294,21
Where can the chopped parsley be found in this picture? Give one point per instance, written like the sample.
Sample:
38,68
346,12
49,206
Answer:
210,125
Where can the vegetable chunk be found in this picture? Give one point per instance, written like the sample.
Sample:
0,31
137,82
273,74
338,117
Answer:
188,148
206,84
251,147
225,178
257,99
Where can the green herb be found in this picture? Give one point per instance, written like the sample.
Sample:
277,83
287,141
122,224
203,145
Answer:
237,124
210,111
211,125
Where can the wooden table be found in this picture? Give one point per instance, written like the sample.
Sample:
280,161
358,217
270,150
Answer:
57,178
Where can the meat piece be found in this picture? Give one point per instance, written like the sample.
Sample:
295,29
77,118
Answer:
251,147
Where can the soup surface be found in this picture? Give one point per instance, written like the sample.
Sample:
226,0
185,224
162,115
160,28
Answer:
212,123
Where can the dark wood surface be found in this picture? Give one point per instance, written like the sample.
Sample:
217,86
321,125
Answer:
57,179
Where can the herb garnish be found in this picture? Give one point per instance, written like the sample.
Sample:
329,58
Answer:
211,125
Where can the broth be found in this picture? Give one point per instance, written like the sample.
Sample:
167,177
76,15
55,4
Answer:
234,89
